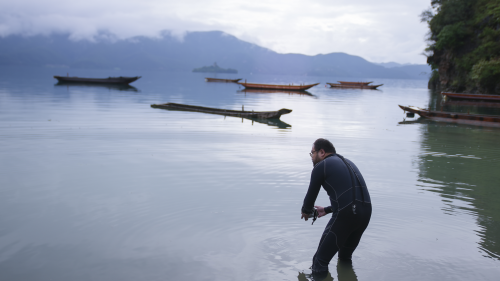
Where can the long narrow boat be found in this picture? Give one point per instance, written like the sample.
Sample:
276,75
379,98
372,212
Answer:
354,83
109,80
271,91
277,87
208,79
226,112
353,86
488,98
472,119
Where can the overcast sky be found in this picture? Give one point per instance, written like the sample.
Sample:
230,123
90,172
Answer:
379,31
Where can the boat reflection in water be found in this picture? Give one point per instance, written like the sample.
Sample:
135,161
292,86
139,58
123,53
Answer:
459,163
269,91
271,122
116,87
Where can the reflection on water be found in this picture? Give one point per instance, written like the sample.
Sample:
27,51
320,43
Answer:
270,122
439,102
463,166
419,120
97,185
461,163
345,272
116,87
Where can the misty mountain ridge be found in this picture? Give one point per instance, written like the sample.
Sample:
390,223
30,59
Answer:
194,50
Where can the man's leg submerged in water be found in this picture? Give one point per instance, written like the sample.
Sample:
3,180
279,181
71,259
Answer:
343,232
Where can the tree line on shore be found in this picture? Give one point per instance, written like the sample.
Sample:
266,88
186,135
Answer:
464,45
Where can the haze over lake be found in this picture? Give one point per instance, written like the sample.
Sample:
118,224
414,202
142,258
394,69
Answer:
97,185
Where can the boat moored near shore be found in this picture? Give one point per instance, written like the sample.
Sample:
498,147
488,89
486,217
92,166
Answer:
455,117
472,97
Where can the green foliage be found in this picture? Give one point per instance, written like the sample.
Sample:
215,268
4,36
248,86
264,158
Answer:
434,77
465,36
486,74
434,82
451,36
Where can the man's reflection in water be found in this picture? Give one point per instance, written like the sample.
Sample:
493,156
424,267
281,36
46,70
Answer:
345,272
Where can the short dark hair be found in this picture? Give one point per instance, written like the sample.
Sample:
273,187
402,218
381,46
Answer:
324,144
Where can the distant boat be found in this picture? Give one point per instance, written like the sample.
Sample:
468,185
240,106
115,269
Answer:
272,91
486,98
464,118
354,86
226,112
354,83
222,80
109,80
277,87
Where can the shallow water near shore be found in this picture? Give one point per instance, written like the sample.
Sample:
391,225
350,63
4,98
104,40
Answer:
97,185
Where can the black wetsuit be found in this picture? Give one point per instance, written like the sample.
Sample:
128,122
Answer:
344,230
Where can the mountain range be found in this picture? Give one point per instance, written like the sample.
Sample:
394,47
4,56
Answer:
195,49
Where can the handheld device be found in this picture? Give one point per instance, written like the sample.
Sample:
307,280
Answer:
313,215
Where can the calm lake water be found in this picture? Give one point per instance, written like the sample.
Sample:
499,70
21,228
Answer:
97,185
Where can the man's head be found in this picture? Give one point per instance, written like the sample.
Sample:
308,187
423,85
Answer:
320,149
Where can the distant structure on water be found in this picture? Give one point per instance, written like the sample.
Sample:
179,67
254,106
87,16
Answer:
215,69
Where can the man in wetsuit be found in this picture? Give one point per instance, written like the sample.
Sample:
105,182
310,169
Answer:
350,204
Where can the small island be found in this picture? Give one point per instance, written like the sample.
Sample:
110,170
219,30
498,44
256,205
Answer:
215,69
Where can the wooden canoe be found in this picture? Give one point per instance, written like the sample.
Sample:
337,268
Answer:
353,86
488,98
226,112
354,83
277,87
464,118
270,91
109,80
222,80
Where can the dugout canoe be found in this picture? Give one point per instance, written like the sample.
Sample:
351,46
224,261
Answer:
353,86
226,112
455,117
471,97
222,80
354,83
270,91
289,87
110,80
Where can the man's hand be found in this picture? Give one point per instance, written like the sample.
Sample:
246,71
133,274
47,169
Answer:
304,216
321,211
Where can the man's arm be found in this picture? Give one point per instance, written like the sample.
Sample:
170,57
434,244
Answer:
317,179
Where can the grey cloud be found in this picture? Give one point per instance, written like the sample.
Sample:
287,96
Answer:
386,30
